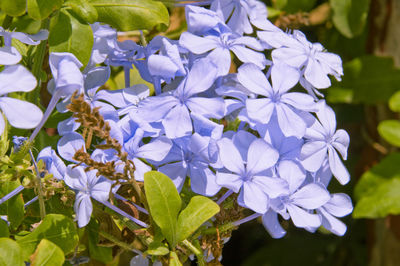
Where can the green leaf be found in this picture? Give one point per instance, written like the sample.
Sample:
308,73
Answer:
377,192
4,231
13,7
293,6
127,15
164,203
350,16
174,259
390,131
83,10
373,79
198,211
41,9
26,24
57,228
102,254
68,34
47,253
157,249
14,207
10,253
394,102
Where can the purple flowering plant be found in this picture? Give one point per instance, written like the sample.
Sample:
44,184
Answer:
168,163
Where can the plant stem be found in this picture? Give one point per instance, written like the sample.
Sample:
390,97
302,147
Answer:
118,242
42,207
196,251
38,63
224,197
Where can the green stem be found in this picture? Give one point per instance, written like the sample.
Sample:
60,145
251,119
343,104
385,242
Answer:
42,207
38,63
117,241
221,229
7,22
196,251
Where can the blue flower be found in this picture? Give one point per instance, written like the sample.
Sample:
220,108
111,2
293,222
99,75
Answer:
219,43
247,163
86,186
173,109
279,101
323,139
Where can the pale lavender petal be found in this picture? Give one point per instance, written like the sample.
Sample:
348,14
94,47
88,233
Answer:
300,101
207,107
177,122
200,78
292,173
203,181
232,181
16,78
290,122
156,108
260,157
69,144
337,167
83,208
313,155
332,224
316,75
155,150
260,110
251,77
302,218
339,205
284,77
177,172
272,225
310,196
230,156
252,197
247,55
272,186
196,44
340,141
16,112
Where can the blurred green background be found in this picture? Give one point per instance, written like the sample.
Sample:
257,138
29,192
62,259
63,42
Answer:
366,34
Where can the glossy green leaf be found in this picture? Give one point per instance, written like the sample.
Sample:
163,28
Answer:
377,192
198,211
13,7
394,102
350,16
47,253
174,259
102,254
41,9
126,15
83,10
164,203
68,34
26,24
390,131
10,253
157,249
14,207
57,228
372,79
4,231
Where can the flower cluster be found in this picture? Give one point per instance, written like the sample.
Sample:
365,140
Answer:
281,156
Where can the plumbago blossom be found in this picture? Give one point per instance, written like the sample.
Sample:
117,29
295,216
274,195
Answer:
281,169
262,135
